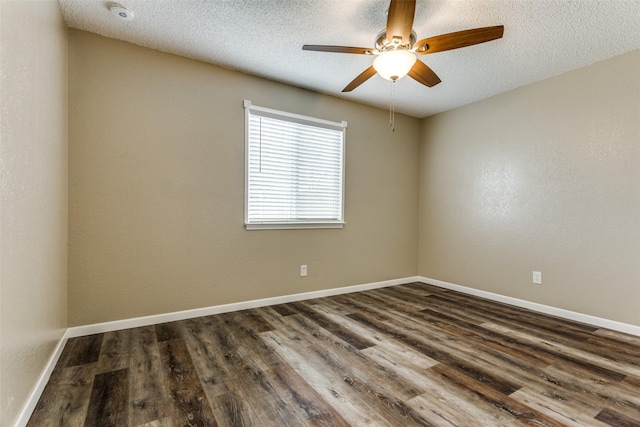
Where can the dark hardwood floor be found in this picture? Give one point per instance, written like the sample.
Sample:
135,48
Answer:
402,356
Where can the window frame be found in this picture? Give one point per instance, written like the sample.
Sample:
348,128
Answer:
299,119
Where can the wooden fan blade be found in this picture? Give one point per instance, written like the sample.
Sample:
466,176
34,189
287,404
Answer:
458,39
400,20
363,77
339,49
423,74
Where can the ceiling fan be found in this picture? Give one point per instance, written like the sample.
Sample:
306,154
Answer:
396,48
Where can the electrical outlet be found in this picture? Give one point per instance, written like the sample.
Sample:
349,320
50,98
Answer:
303,270
537,278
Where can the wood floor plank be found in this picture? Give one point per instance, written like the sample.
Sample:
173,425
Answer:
409,293
509,369
523,414
501,312
619,336
283,309
627,352
398,299
476,335
632,380
425,347
360,304
302,398
425,288
246,336
229,402
537,349
246,372
65,399
281,323
461,335
588,345
407,355
147,401
114,352
445,407
108,405
206,358
346,335
163,422
352,360
607,368
354,400
168,331
252,321
621,396
557,406
82,350
386,351
613,418
330,389
231,409
188,402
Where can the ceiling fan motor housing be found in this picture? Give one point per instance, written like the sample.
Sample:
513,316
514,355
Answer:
382,44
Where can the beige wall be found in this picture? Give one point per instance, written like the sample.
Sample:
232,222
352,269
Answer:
156,189
546,178
33,184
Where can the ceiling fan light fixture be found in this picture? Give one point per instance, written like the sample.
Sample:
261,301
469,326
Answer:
394,64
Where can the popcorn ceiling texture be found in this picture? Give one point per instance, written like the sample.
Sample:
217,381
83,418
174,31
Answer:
264,38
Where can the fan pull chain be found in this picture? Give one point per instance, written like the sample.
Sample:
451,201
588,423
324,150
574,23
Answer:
392,107
260,165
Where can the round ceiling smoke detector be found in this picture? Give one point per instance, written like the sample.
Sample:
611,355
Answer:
121,12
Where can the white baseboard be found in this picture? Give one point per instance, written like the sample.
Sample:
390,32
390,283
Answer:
567,314
38,388
98,328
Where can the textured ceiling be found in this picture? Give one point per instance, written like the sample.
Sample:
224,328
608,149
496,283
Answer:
542,38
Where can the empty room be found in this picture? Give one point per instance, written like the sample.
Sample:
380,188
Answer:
320,213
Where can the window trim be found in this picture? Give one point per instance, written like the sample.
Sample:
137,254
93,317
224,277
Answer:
300,119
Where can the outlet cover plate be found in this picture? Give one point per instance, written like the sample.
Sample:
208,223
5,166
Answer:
537,278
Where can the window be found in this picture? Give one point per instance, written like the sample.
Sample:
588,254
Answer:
294,170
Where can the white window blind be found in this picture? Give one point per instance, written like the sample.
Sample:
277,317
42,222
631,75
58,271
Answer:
294,170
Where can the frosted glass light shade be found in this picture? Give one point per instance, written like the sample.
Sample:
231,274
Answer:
394,64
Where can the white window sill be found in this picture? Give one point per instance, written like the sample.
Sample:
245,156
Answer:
293,225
